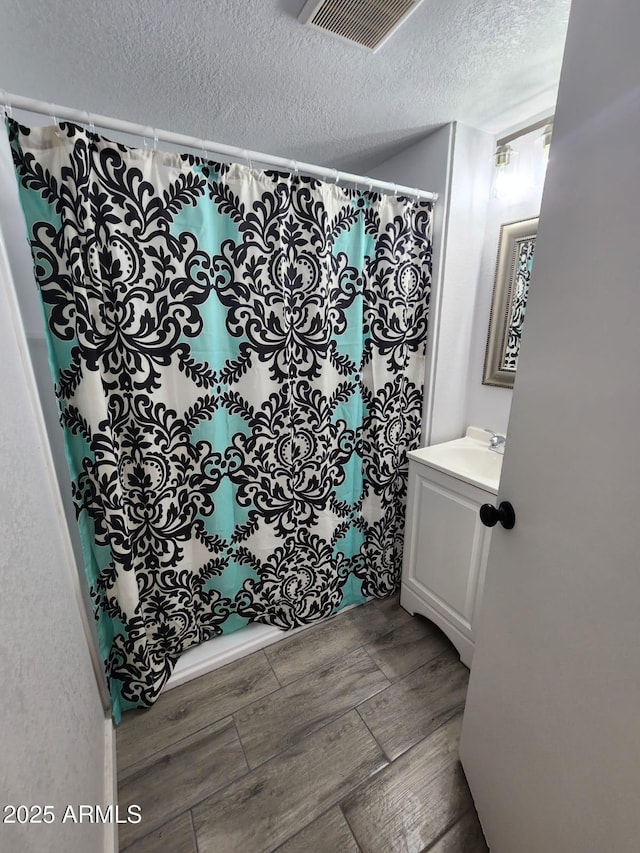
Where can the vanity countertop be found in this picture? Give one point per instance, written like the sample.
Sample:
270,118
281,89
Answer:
468,459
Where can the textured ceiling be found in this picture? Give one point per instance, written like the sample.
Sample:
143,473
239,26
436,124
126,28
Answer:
247,73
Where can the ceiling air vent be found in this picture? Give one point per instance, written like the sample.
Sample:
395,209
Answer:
366,22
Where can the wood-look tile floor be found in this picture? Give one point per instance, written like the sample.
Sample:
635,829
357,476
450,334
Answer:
342,737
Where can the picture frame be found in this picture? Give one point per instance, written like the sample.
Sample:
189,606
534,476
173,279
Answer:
511,288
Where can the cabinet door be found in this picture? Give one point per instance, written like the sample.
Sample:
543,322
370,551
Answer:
447,546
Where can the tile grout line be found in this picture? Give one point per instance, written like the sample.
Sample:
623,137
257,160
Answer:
392,761
154,755
195,804
455,712
346,820
319,667
338,803
158,829
244,752
447,650
249,770
426,663
380,747
378,667
439,837
193,831
332,803
393,684
148,760
307,825
319,729
333,660
324,724
275,674
333,719
341,655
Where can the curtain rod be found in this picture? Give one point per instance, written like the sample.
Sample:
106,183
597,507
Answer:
56,112
511,137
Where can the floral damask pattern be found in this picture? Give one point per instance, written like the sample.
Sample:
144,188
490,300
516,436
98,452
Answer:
238,358
523,266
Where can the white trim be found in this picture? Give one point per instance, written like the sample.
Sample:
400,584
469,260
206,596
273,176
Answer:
110,783
57,112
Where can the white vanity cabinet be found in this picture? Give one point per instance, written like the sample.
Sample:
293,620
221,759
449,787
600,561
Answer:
446,546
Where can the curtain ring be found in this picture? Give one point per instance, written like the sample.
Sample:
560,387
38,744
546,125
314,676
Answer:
395,190
294,167
337,177
155,139
145,137
91,127
205,153
5,106
245,154
54,119
370,185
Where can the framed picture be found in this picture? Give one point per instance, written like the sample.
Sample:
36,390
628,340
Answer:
513,275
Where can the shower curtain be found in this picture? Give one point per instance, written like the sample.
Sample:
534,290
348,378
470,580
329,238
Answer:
238,359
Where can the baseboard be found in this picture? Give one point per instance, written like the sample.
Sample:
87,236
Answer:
223,650
110,784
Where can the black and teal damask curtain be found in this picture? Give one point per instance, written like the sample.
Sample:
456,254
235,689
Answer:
238,358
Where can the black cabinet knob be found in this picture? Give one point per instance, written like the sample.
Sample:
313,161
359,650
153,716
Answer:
491,515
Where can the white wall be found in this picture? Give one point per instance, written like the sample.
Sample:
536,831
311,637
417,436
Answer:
56,741
470,186
488,406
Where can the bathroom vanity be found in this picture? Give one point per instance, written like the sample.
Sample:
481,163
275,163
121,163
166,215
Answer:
446,544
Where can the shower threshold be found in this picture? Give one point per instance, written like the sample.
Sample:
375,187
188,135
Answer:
222,650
